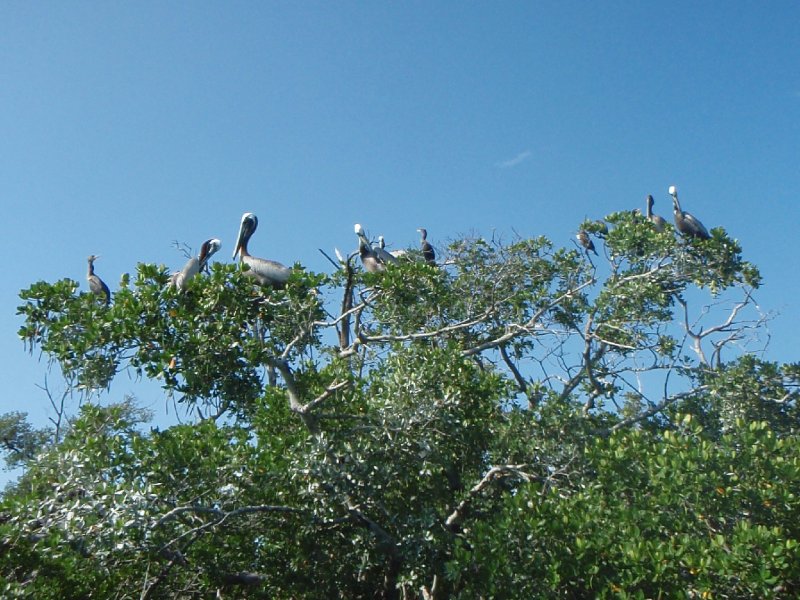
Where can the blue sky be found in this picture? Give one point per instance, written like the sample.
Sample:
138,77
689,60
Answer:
126,126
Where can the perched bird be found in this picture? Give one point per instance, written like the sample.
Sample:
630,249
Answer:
369,256
658,222
266,272
382,254
427,250
586,242
685,222
195,264
602,227
395,253
97,285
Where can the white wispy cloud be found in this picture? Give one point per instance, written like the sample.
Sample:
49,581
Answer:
513,162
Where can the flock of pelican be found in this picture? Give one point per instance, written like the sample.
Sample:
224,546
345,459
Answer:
374,257
686,223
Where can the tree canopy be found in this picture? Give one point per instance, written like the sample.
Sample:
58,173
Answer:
520,420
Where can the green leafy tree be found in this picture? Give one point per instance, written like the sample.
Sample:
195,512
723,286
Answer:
19,439
522,421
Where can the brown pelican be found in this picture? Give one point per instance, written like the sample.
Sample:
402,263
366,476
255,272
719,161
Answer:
382,254
657,221
685,222
427,250
195,264
97,285
586,242
266,272
394,253
369,256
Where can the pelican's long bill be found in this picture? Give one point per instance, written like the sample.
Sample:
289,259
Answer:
209,248
246,228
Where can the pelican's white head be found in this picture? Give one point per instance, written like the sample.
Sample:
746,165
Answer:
247,226
212,246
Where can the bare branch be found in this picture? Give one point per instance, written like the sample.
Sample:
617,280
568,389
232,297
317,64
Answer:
667,402
58,408
516,330
662,264
335,264
727,324
521,383
219,517
697,346
329,391
731,326
428,334
345,314
457,516
176,557
296,404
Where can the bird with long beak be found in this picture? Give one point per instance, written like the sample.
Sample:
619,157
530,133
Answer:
372,261
195,264
97,285
685,222
382,245
428,253
585,241
265,271
658,222
382,253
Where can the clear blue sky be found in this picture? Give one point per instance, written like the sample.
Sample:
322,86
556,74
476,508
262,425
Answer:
125,126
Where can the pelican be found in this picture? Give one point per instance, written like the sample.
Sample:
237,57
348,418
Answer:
266,272
195,264
586,242
382,246
384,255
685,222
369,256
97,285
657,221
427,250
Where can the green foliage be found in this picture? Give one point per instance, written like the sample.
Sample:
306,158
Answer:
520,422
207,344
669,514
20,440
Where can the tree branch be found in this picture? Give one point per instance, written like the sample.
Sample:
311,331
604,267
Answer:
329,391
652,411
222,515
518,330
386,543
296,404
454,520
